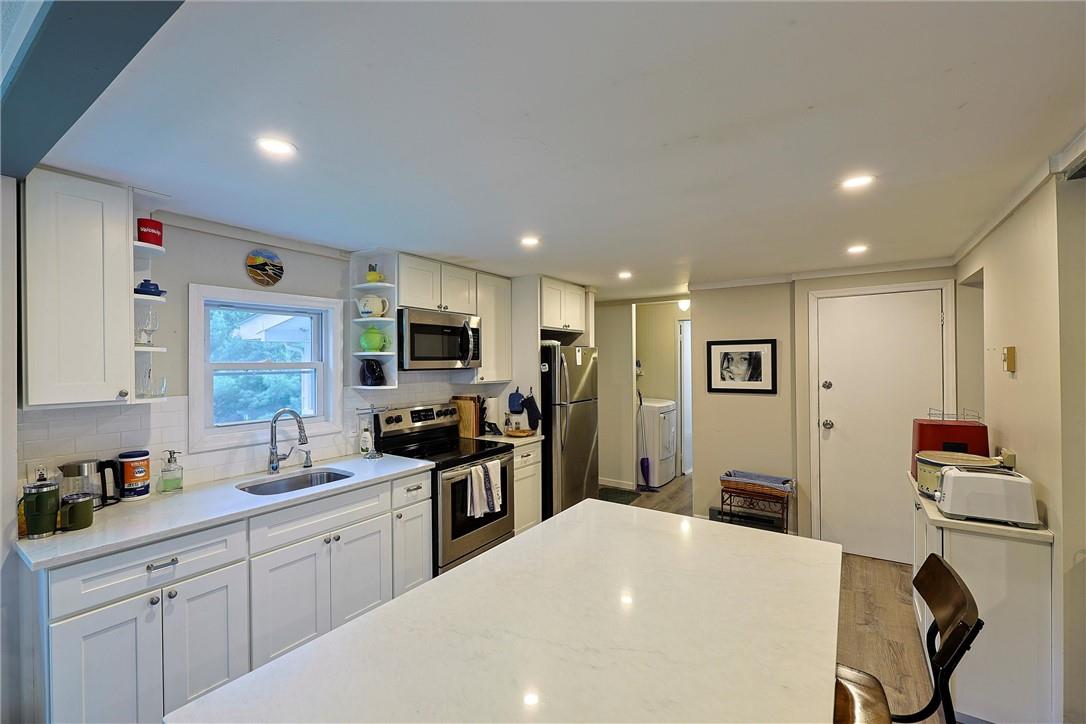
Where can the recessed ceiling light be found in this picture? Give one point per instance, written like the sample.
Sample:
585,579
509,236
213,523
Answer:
529,240
857,249
858,182
531,698
625,275
276,147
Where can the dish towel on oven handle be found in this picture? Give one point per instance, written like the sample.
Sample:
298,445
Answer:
484,489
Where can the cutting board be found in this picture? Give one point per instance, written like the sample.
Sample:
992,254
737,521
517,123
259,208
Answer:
469,415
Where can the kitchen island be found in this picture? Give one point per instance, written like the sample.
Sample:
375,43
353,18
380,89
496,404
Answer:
602,613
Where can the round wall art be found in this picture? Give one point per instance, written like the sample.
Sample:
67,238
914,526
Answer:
264,267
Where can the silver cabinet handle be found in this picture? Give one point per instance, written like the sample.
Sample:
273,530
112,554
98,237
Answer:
399,515
171,594
327,541
335,537
916,505
122,393
154,600
827,424
152,567
412,488
526,455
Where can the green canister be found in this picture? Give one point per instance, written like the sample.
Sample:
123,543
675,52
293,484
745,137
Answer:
41,501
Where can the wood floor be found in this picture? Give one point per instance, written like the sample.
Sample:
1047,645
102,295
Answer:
876,627
877,632
675,497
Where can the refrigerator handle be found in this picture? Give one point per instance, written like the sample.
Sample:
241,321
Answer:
565,428
565,377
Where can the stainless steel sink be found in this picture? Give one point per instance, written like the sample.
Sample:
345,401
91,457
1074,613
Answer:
299,481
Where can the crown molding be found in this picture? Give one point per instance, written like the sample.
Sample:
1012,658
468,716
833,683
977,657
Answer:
825,274
193,223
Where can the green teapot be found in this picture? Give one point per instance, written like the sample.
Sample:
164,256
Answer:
374,340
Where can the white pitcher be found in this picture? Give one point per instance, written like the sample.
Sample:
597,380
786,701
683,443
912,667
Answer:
371,305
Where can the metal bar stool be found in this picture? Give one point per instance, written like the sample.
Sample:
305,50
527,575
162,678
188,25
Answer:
859,696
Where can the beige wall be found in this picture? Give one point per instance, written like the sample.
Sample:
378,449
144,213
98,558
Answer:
615,339
658,348
969,305
803,420
750,432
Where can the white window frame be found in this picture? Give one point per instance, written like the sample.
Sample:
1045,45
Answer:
203,434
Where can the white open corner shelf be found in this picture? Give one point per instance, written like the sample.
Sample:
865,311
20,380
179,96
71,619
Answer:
142,248
142,348
374,387
374,354
366,320
148,298
374,285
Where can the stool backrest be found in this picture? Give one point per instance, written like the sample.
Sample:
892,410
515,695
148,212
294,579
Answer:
951,605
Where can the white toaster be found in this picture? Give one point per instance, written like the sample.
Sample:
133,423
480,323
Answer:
991,494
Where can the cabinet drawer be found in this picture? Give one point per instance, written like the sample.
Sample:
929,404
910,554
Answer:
95,582
410,490
296,523
527,455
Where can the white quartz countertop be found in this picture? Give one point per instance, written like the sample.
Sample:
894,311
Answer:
1002,530
602,613
158,517
515,441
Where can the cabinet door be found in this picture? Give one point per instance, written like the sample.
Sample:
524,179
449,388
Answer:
573,307
77,291
361,568
412,547
106,664
458,289
527,482
495,304
205,633
551,296
419,282
290,597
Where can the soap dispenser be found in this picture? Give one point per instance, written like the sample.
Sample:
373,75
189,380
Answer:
170,478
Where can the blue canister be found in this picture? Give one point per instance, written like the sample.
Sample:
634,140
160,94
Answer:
135,477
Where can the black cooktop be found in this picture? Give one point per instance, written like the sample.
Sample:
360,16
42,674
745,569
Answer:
448,452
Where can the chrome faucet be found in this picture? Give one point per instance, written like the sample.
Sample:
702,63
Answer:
274,458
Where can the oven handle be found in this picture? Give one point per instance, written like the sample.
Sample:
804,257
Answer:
459,472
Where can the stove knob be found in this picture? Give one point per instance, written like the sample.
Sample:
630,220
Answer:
399,418
389,420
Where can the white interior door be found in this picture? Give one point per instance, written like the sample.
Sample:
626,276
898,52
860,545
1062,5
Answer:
880,364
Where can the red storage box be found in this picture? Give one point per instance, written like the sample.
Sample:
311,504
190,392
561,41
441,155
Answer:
149,231
967,436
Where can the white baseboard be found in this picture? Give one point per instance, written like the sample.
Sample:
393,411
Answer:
624,484
699,515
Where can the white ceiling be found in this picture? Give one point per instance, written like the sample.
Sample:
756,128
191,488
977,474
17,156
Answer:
685,142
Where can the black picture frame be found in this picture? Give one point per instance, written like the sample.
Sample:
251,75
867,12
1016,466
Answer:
715,382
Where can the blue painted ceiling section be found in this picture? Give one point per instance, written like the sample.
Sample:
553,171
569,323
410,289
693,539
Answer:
76,52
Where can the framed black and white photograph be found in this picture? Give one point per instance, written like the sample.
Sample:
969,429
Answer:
742,365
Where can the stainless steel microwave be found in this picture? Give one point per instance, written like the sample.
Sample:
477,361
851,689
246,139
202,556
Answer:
438,340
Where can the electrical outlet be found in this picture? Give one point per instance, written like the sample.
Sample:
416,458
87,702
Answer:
1010,359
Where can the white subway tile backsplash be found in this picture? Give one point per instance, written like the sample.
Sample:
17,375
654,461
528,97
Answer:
140,438
98,443
120,423
37,449
31,431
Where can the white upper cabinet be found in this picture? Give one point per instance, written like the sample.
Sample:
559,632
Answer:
495,304
419,282
77,291
458,289
561,305
429,284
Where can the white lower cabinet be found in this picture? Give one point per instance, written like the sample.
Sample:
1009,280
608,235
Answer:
292,594
361,568
137,659
412,547
205,634
527,487
106,664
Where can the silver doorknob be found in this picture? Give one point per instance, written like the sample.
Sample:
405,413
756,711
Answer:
122,393
826,385
827,424
171,594
155,600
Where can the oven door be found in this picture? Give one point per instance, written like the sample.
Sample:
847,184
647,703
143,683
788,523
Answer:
459,534
438,340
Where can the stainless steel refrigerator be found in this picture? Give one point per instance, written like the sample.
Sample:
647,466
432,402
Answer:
569,420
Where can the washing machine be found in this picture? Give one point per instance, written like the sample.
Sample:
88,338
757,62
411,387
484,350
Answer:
661,439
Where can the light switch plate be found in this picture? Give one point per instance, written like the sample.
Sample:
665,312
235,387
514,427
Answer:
1010,359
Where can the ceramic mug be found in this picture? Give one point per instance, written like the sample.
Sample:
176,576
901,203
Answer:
374,276
371,306
76,511
374,340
